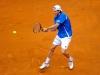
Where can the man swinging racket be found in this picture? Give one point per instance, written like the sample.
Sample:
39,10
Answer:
63,37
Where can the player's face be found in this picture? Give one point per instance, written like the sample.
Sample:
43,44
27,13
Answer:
55,12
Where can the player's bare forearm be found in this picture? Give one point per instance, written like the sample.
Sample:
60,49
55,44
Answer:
53,27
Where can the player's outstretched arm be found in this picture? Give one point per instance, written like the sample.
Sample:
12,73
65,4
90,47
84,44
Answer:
51,28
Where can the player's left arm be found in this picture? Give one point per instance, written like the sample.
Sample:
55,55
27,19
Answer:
59,21
51,28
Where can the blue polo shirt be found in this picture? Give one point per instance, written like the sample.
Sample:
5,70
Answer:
64,28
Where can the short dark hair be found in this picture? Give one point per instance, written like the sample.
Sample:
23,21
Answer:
59,11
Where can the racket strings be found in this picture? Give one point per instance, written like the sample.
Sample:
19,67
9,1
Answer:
37,28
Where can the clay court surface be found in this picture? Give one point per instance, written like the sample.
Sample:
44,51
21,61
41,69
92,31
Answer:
22,53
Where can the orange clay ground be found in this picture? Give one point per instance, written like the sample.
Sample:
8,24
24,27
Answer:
23,52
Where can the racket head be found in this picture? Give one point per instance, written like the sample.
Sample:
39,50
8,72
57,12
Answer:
37,28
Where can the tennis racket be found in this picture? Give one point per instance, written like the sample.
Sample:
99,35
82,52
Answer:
37,27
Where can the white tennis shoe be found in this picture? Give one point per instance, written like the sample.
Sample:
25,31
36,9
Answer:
44,65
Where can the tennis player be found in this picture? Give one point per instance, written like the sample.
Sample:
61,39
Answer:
63,37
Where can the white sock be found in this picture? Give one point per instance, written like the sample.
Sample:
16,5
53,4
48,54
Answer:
47,60
70,58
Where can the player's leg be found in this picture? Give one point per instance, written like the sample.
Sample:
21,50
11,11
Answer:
70,59
46,63
64,45
51,51
56,43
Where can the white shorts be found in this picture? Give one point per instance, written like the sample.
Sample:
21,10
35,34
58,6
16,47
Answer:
63,42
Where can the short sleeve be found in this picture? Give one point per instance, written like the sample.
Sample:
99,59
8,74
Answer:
61,19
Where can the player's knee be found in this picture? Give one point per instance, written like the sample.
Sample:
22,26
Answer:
63,51
52,49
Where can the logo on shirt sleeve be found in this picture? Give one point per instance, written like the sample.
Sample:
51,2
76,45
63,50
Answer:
58,21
